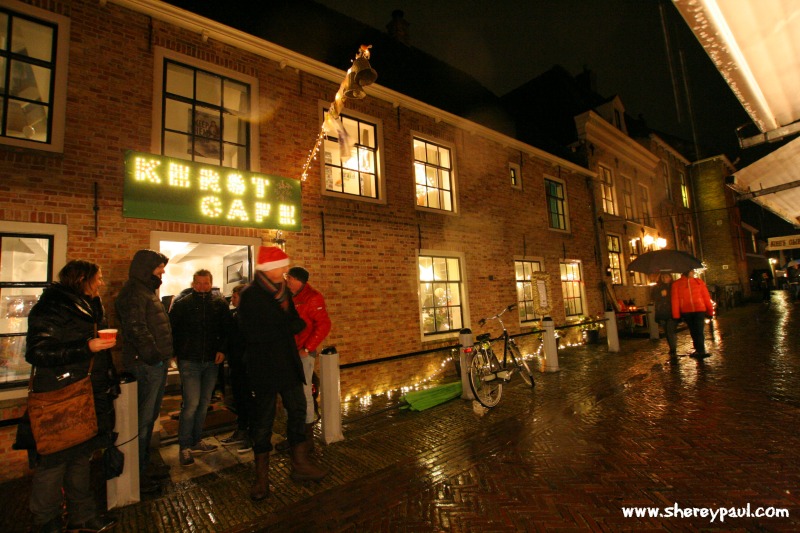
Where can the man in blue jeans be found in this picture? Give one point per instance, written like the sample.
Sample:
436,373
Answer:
146,351
200,321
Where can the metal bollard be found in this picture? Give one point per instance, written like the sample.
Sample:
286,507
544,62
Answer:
331,392
550,346
466,341
612,332
651,322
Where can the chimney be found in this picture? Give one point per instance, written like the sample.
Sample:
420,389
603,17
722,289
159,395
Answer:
398,28
587,80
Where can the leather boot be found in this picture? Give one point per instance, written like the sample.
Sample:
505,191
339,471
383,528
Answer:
260,489
303,468
310,434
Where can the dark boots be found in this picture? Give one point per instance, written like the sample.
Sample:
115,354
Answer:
260,489
303,468
283,446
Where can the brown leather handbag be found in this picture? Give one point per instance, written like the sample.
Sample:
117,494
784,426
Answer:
62,418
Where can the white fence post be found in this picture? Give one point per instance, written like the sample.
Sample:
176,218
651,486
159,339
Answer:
465,360
651,322
611,331
331,392
550,346
124,489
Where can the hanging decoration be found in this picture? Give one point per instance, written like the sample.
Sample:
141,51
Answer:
358,76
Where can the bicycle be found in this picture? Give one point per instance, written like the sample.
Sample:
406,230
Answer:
487,373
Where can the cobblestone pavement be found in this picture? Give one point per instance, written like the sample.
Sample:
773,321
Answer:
609,430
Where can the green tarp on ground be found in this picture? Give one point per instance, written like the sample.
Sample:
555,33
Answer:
425,399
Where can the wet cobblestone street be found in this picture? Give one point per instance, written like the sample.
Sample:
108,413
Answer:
609,430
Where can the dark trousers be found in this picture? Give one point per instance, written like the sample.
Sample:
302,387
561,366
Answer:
263,416
670,326
47,497
242,396
697,327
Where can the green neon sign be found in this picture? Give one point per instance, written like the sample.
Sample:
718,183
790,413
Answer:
165,188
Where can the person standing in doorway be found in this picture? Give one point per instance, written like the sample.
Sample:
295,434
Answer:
242,396
662,298
310,305
200,325
146,351
692,303
268,322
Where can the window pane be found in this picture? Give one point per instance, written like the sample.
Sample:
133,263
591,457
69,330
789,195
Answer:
177,116
27,121
367,135
13,366
31,39
30,82
180,80
3,31
237,97
350,182
419,150
235,157
235,130
426,269
453,270
333,178
209,88
24,259
15,306
177,145
368,185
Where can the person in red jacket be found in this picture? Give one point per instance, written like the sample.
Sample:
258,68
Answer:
692,303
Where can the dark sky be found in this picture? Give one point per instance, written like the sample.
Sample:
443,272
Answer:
504,43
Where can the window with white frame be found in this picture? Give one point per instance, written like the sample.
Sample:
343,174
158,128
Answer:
433,175
644,198
441,293
33,68
627,197
525,290
557,208
352,173
572,287
607,190
684,190
614,259
636,249
515,173
205,116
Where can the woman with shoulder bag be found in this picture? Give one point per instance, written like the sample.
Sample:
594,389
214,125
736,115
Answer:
62,346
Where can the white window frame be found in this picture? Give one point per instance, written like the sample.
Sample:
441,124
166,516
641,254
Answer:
380,180
453,173
684,190
59,103
628,205
59,234
667,181
607,191
521,302
620,267
645,205
565,204
465,317
515,174
581,286
160,55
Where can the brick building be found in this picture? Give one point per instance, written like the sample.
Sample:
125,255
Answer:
431,222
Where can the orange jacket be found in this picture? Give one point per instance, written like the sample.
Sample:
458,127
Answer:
690,295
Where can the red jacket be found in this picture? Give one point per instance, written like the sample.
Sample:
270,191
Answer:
310,306
690,295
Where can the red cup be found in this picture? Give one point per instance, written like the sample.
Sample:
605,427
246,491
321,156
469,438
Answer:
107,334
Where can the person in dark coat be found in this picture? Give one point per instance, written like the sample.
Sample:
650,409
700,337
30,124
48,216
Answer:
662,298
242,397
146,351
61,343
268,322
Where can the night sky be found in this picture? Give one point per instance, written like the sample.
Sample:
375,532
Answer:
504,43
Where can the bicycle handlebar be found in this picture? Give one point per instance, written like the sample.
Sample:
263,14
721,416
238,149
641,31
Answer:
482,321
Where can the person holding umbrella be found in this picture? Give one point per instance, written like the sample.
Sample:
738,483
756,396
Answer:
662,298
692,303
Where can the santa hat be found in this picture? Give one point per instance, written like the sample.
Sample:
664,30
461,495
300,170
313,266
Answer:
271,257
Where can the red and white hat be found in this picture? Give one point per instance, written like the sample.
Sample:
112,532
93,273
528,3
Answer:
271,257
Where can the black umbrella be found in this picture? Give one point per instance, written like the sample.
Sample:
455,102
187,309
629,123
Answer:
665,261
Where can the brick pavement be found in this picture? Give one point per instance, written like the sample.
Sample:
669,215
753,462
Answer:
607,431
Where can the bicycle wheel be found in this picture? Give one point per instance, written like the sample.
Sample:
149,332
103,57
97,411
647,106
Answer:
522,364
485,386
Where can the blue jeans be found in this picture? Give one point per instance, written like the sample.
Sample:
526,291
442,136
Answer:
150,383
197,382
46,491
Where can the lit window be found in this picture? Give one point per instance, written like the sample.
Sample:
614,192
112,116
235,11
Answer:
614,259
515,173
433,175
644,197
684,190
557,212
206,117
627,195
440,292
667,181
33,55
607,191
525,292
571,287
637,278
355,174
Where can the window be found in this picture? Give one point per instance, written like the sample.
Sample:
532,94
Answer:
440,293
433,174
607,191
206,116
29,255
515,173
353,174
667,184
525,293
684,190
571,287
33,55
557,214
627,197
635,251
614,259
644,197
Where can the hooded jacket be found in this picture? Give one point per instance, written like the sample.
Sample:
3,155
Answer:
690,295
146,331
